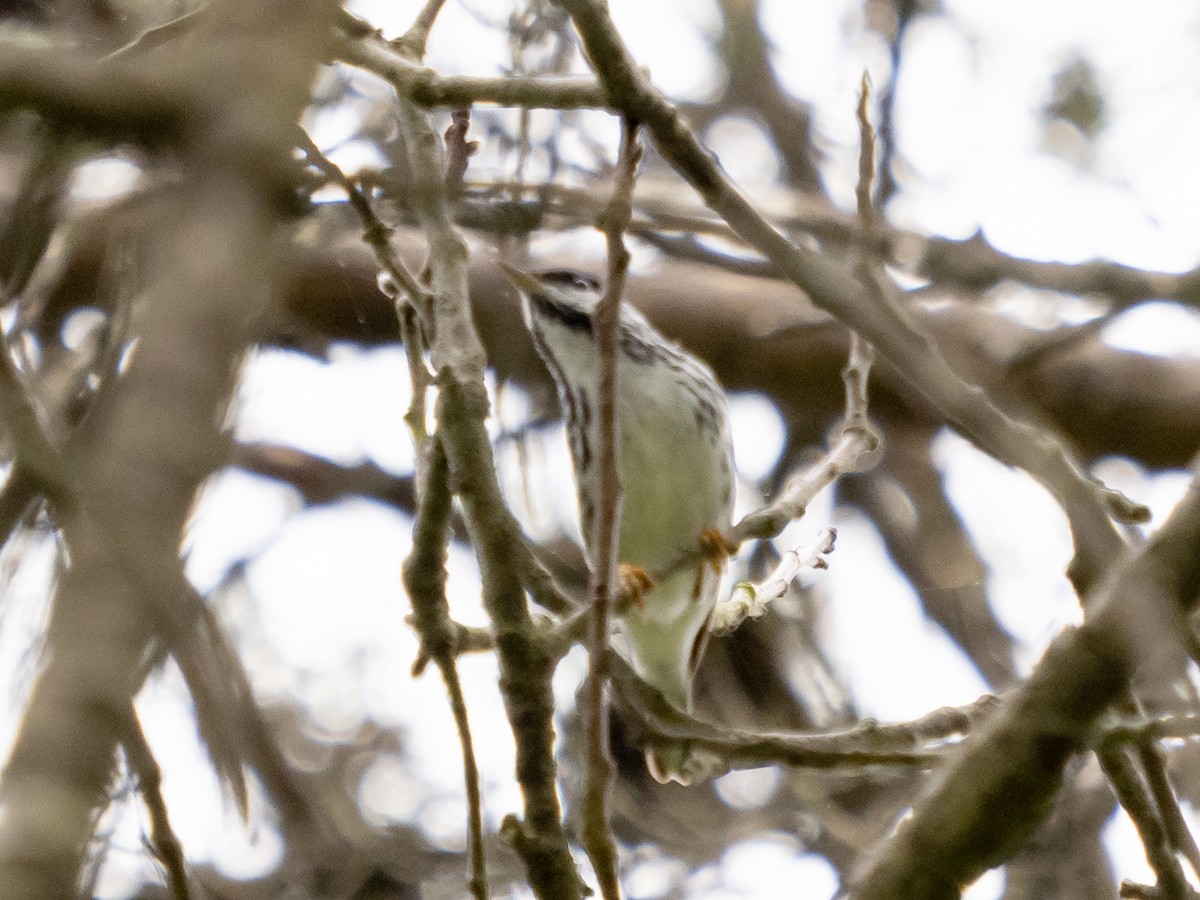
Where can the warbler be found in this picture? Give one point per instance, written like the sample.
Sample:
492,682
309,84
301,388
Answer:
675,461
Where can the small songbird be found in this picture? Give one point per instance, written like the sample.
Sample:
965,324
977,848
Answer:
675,460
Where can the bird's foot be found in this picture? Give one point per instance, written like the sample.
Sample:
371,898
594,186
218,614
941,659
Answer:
635,583
714,551
714,548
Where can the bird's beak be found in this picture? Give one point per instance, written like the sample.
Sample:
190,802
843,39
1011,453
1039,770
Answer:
526,283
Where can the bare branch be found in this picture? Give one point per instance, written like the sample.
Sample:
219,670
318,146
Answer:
525,666
655,721
833,287
426,88
158,35
750,600
425,581
953,835
156,435
1137,800
605,528
104,98
166,843
412,42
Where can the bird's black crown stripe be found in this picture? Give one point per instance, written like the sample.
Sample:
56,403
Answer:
568,316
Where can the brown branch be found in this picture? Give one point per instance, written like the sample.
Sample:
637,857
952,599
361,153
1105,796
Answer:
157,35
155,436
928,543
397,283
605,528
541,583
974,263
162,837
971,265
108,99
425,581
420,379
749,600
1135,795
320,481
757,336
752,84
228,719
375,230
1179,835
41,468
458,151
426,88
412,43
954,833
652,720
847,452
457,358
525,666
1153,729
833,287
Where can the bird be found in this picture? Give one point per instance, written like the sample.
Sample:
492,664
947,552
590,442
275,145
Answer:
676,467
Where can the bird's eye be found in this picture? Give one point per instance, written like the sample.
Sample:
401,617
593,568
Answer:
580,284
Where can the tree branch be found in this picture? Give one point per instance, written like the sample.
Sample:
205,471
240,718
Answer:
834,287
525,666
426,88
156,435
955,831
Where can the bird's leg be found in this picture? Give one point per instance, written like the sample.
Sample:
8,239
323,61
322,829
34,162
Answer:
714,551
635,583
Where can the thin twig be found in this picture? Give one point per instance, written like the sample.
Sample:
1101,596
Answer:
917,743
1137,800
1134,731
971,265
1179,833
412,42
162,836
849,448
425,581
398,284
604,530
157,35
465,639
420,379
525,665
458,150
862,354
905,12
541,583
427,88
750,600
866,158
376,232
